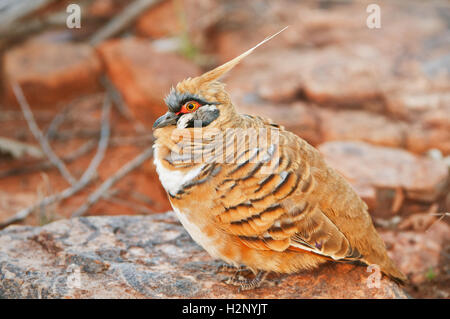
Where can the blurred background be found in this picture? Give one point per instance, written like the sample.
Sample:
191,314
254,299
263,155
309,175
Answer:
371,92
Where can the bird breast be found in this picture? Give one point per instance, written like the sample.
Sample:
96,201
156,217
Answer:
172,179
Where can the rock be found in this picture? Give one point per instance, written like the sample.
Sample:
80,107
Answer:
159,21
328,73
273,75
147,257
12,202
50,72
318,125
366,110
385,171
189,20
326,58
421,137
429,115
144,76
330,24
416,253
361,125
299,118
103,8
417,101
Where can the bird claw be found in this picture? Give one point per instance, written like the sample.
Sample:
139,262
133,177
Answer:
246,284
225,268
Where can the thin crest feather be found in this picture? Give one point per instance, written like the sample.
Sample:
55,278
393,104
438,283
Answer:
224,68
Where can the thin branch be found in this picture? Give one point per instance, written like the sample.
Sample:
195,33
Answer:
106,185
446,214
14,11
65,113
39,136
136,207
57,121
120,104
85,148
116,97
140,140
42,166
64,135
83,181
102,144
122,20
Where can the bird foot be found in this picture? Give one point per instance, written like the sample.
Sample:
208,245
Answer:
225,268
245,283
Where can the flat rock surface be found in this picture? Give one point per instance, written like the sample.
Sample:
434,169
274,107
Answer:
51,72
421,178
148,257
143,75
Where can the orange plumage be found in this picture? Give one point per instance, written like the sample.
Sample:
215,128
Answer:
272,206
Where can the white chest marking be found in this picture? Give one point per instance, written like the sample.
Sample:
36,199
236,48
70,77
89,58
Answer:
173,180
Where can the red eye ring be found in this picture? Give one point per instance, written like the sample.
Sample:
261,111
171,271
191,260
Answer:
189,107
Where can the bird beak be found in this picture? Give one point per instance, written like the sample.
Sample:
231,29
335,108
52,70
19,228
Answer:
169,118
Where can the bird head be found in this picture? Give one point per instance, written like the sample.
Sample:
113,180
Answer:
202,101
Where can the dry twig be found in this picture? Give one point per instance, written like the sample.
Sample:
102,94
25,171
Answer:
122,20
106,185
120,104
57,121
18,149
116,97
85,148
136,207
42,166
85,179
66,114
13,11
39,136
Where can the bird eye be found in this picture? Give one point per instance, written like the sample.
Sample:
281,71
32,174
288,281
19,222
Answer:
189,107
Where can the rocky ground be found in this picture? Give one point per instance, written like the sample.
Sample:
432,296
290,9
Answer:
148,257
375,102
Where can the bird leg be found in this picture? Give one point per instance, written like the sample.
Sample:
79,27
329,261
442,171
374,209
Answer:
247,284
226,268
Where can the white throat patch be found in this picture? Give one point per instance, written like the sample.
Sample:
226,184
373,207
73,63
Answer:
183,121
197,115
173,180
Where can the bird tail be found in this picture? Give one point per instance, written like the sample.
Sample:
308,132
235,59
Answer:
387,267
390,270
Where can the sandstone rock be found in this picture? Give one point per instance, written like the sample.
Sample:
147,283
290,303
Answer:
331,23
103,8
326,58
188,19
318,125
417,100
298,117
144,76
346,77
273,75
428,111
416,253
159,21
363,126
51,72
387,169
146,257
10,203
421,138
